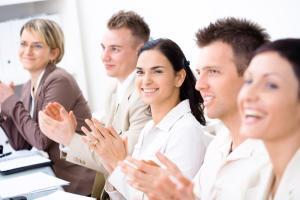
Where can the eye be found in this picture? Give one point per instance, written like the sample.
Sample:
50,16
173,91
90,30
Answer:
37,46
248,81
213,71
115,49
270,85
23,44
158,71
139,72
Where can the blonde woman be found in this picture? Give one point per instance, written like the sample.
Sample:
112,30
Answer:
41,48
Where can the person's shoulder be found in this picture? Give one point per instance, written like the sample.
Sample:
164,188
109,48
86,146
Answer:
60,73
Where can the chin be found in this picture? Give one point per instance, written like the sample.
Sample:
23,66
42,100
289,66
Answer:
249,133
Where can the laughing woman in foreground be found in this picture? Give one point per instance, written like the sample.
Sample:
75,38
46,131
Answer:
270,108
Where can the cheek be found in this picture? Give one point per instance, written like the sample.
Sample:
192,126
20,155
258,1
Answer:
20,52
137,82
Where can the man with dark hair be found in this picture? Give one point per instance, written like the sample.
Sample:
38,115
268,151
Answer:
126,33
231,161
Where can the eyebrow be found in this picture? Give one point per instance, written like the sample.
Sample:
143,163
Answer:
113,45
32,42
152,68
198,69
267,75
273,74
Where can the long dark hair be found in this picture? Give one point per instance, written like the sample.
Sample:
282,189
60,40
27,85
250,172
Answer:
176,57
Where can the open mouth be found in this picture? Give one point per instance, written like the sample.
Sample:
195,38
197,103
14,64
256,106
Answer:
207,99
149,90
252,115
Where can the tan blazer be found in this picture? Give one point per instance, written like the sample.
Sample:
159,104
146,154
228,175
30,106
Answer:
23,131
288,188
129,118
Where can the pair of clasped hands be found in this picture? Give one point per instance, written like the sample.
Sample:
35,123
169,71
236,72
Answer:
147,176
60,126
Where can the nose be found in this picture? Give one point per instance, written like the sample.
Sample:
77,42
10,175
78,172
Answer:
105,55
27,49
147,78
201,83
249,93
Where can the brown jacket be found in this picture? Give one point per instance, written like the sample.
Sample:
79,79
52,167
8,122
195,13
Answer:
23,130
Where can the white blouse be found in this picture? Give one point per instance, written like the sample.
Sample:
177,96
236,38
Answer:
226,175
289,185
178,135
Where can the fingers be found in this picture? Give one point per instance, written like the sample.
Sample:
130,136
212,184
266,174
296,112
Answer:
113,132
168,164
142,166
136,177
97,122
57,105
53,111
46,125
125,140
73,119
151,162
89,136
46,120
95,131
165,188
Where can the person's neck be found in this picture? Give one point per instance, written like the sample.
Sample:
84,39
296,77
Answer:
160,111
281,151
123,78
233,123
34,77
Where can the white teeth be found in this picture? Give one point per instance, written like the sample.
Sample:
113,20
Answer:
252,113
149,90
207,98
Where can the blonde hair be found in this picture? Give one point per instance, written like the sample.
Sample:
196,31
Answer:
131,20
50,32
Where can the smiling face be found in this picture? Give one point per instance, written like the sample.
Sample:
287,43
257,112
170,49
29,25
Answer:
218,80
269,100
119,52
156,81
34,53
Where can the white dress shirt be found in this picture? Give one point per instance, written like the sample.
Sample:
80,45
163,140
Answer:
226,175
33,92
122,86
178,135
289,185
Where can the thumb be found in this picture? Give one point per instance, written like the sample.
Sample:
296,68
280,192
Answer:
73,119
125,140
63,113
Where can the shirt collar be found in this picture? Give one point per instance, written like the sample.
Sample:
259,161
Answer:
174,115
244,150
122,86
37,84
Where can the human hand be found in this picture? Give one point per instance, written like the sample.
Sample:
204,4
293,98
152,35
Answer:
171,184
6,91
53,110
140,173
106,142
59,129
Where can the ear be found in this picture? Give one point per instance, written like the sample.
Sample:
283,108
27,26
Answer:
54,54
180,77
